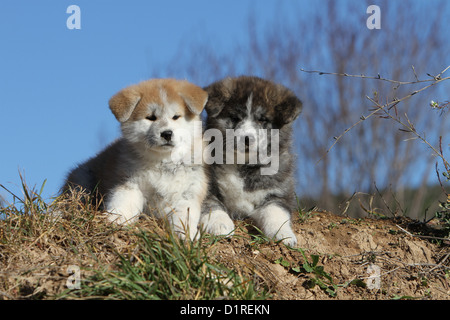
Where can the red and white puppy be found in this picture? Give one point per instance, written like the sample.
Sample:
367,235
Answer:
149,168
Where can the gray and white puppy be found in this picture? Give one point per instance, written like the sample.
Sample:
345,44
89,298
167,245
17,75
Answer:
246,106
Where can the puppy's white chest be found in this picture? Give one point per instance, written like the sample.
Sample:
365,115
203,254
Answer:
162,179
170,183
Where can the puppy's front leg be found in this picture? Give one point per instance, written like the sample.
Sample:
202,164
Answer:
125,204
214,219
275,222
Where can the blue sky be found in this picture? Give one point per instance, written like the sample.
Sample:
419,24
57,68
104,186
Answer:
55,83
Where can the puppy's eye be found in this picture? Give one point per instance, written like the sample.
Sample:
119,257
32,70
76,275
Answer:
151,118
263,119
175,117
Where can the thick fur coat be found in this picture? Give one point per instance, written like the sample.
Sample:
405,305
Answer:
146,169
249,105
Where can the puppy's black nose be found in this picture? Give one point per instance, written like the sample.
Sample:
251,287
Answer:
167,135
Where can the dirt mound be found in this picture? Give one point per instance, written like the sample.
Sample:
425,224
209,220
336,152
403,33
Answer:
337,257
342,258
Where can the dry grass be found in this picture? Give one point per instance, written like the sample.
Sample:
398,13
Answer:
40,242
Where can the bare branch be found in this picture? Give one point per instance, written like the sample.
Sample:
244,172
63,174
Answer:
378,77
436,80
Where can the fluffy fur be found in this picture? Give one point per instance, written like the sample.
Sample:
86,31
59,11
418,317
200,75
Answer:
240,190
145,170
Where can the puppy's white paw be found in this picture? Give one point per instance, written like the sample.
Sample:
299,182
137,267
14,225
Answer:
125,204
287,236
283,233
275,223
218,222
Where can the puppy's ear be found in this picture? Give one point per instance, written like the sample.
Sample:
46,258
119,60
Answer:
194,96
219,93
123,103
288,110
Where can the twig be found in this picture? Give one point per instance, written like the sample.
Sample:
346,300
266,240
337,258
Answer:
410,128
415,74
420,236
378,77
435,80
441,263
385,203
442,72
440,182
